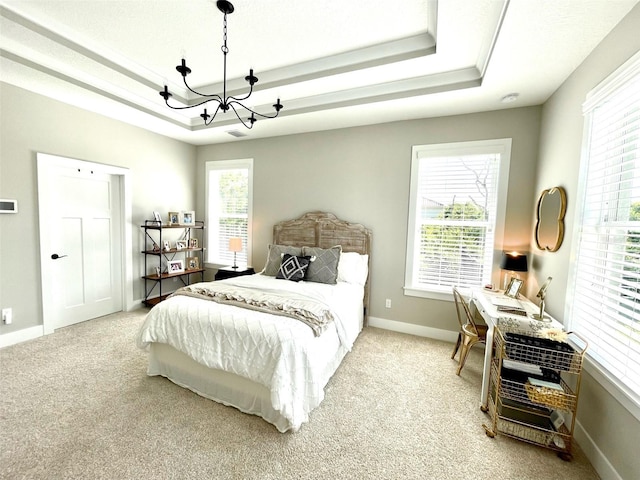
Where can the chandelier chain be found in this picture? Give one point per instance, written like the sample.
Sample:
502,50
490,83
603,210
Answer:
224,48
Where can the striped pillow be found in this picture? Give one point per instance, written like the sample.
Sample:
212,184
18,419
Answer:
324,268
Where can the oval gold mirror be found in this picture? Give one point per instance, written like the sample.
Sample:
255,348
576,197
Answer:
552,205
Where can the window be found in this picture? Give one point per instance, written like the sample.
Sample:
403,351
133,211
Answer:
229,196
453,215
604,297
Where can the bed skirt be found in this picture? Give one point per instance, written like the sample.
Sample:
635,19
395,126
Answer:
220,386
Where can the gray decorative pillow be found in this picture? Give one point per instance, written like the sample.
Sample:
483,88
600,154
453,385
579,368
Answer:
274,258
293,268
324,268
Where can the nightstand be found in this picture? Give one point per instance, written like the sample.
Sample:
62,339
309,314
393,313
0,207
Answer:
230,272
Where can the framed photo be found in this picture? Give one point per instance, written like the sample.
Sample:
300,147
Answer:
193,263
157,218
189,217
513,288
193,243
175,266
158,272
165,246
181,244
174,218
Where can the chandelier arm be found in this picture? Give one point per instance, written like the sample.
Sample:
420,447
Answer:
250,126
238,100
208,122
214,96
204,102
251,110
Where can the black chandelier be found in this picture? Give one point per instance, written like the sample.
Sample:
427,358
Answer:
224,103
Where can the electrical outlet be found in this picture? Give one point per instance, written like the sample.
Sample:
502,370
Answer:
387,303
7,315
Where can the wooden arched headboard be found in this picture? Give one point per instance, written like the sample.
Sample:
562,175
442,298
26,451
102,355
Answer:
325,230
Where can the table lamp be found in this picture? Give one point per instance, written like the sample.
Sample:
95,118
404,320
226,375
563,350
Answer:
235,246
542,295
513,262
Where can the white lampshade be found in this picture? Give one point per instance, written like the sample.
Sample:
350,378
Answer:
235,244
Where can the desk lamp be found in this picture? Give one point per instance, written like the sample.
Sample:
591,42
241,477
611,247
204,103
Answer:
513,262
542,294
235,246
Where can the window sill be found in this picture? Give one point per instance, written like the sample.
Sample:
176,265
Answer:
445,295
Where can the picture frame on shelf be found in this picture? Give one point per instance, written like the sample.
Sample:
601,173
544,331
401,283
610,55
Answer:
175,266
181,244
158,272
193,263
157,218
193,243
174,218
165,246
513,289
188,218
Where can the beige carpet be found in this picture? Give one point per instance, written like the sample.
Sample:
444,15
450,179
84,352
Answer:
78,404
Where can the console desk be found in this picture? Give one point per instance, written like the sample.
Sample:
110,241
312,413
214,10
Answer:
487,302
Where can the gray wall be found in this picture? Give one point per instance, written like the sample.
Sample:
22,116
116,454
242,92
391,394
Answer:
32,123
613,428
362,175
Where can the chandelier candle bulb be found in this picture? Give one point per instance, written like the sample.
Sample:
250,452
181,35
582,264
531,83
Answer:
183,69
166,93
251,78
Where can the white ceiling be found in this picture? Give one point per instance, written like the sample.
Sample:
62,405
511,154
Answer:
332,63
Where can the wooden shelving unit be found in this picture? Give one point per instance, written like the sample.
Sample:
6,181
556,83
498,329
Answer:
155,236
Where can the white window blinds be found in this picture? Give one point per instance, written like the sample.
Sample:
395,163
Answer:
605,305
228,210
453,215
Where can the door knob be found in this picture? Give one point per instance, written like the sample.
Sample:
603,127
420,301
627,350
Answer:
55,256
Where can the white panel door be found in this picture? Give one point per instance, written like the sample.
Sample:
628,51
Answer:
81,251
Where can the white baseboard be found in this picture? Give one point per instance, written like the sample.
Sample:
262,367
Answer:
26,334
603,466
23,335
419,330
135,305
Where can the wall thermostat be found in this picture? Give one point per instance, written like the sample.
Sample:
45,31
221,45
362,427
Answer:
8,205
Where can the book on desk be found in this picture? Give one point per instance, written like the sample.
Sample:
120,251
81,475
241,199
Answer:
512,310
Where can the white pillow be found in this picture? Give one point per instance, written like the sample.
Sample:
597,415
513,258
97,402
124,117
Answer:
353,268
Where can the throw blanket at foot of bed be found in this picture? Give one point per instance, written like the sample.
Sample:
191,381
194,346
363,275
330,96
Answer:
311,312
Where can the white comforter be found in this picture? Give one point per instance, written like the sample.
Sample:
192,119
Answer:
280,353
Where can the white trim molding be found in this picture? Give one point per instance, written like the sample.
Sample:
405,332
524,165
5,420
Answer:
12,338
412,329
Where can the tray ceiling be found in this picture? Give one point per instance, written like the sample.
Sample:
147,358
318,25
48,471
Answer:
333,64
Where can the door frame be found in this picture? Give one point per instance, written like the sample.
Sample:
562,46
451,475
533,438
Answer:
45,162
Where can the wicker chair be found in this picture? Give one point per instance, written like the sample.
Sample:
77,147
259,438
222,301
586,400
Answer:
470,332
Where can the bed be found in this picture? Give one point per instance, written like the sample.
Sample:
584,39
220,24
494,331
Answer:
267,344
